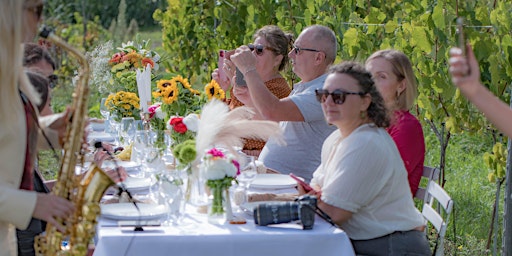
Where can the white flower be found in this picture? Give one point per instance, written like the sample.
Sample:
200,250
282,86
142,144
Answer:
192,122
219,168
159,113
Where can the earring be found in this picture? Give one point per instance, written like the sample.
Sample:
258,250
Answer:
362,114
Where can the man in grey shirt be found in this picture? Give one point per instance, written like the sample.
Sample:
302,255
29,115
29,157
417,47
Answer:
300,115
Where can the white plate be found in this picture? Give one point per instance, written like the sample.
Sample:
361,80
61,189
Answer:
248,207
98,127
136,184
100,136
129,166
127,211
273,181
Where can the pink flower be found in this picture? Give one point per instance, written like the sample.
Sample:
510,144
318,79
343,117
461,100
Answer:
237,165
152,110
178,125
215,153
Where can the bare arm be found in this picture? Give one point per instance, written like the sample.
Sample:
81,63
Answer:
269,106
492,107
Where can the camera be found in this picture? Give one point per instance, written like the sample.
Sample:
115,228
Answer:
302,209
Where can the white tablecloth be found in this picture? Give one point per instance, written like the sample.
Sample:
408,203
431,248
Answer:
197,238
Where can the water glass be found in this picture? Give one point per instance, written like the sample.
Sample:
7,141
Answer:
103,109
171,190
127,130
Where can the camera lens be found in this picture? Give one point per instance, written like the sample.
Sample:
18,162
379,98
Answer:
274,213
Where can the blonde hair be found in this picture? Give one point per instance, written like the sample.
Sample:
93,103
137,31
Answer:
12,76
402,68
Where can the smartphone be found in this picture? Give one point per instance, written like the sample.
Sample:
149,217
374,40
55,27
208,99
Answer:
461,39
240,79
306,186
220,65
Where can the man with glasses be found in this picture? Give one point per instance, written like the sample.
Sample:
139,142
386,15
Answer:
300,114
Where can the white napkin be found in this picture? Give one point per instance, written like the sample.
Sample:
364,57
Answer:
144,87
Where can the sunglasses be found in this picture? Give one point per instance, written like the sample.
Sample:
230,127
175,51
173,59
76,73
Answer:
37,10
297,49
52,80
338,96
259,48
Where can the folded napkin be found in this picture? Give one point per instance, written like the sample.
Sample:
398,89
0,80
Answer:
272,197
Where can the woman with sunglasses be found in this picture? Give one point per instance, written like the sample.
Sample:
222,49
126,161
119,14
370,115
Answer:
392,72
361,182
270,47
18,131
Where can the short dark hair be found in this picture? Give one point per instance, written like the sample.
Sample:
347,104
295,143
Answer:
34,53
377,111
41,84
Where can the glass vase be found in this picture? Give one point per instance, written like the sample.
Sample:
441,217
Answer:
217,209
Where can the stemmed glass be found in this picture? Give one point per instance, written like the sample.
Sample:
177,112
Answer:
172,193
127,130
103,109
248,172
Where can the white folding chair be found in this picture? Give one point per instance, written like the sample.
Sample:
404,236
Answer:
436,194
430,174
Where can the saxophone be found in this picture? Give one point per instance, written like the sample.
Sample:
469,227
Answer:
85,193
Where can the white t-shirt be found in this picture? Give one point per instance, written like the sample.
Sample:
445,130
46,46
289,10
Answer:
366,176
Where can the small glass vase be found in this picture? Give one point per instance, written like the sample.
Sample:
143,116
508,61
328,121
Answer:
160,140
219,211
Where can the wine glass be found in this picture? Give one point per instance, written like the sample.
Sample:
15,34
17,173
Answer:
127,130
103,109
172,193
248,172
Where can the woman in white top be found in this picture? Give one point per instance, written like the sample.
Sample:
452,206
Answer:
361,182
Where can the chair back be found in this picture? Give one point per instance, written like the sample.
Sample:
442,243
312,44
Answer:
436,194
430,174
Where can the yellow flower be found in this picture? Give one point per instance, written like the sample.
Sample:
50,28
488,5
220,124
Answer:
170,94
183,81
213,90
162,84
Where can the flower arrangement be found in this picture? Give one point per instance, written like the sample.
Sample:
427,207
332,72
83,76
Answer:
129,58
178,97
220,170
123,104
213,90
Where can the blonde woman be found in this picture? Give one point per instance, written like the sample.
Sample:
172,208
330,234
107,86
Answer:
392,72
18,20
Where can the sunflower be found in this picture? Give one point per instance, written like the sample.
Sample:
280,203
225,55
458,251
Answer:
213,90
170,94
183,81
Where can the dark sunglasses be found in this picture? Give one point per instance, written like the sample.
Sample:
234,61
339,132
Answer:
338,96
259,48
37,10
297,49
52,80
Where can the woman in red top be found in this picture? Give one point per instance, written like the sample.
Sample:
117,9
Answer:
394,78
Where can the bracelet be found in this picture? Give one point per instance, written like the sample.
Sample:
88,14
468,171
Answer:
250,70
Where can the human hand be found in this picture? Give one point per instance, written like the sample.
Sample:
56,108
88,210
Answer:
244,59
50,207
224,84
60,124
243,95
464,69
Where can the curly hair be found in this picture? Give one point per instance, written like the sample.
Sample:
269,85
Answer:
377,111
278,40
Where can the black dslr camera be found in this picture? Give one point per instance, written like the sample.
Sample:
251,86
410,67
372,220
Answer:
302,209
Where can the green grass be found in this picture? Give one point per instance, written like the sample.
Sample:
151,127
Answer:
473,194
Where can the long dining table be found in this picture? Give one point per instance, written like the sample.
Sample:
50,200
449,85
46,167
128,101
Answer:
194,235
